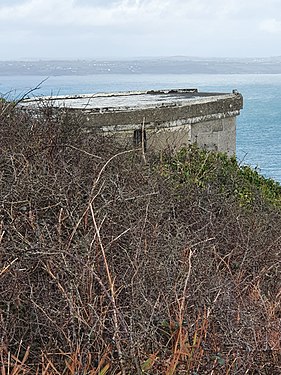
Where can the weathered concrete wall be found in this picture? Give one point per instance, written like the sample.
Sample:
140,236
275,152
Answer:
161,119
209,123
218,135
215,135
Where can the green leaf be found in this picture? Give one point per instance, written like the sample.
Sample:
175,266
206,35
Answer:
147,365
104,370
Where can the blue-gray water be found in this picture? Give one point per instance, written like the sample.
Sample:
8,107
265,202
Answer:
258,127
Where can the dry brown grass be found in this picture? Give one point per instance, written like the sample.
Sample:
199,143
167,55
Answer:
108,267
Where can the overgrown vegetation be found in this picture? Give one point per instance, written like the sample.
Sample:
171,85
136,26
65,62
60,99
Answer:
109,265
206,169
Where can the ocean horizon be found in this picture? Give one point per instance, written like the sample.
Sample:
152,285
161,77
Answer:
258,126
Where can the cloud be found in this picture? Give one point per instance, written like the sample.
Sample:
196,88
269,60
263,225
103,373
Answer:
107,11
271,25
139,27
96,13
144,17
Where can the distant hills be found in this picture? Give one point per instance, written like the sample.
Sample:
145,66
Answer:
165,65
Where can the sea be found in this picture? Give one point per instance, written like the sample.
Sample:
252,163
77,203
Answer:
258,126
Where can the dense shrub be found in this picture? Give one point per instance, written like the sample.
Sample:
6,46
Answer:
110,264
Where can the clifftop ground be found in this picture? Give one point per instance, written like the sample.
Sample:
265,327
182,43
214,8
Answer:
113,265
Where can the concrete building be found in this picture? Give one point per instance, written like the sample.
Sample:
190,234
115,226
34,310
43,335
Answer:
157,119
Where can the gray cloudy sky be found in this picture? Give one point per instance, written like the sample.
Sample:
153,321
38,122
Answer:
129,28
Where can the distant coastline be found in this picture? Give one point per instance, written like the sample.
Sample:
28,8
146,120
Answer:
165,65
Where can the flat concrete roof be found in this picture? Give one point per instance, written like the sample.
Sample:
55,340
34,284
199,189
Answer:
120,101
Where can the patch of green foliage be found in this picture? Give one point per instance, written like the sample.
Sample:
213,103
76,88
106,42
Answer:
217,171
6,101
2,100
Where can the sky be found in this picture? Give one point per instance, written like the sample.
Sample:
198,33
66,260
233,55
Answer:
79,29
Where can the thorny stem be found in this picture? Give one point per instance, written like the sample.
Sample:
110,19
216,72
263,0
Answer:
116,336
92,196
185,286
